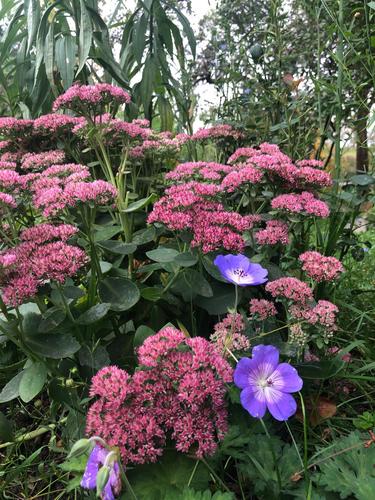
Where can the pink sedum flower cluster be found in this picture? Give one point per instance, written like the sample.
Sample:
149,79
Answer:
54,123
39,161
319,267
78,97
291,289
43,255
65,186
191,206
276,231
217,132
178,391
323,314
228,334
262,309
304,203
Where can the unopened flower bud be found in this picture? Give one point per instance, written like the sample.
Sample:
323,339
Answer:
102,479
80,447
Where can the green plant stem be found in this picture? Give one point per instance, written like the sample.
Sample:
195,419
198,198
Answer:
127,483
273,455
218,479
294,443
33,434
304,433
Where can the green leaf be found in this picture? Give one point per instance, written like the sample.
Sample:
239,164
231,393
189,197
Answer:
32,381
49,62
162,254
53,346
106,233
148,81
186,259
321,370
85,36
166,113
144,236
41,37
152,293
76,464
51,319
348,468
140,40
362,179
191,283
186,26
190,494
222,299
94,314
121,293
137,205
6,431
168,476
212,269
11,389
141,334
371,5
65,59
118,247
33,18
94,359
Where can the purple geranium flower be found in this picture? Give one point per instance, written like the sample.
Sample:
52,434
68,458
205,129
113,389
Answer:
96,460
239,270
267,384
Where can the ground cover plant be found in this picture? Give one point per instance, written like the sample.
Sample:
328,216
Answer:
186,312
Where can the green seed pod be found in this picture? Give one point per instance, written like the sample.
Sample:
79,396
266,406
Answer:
256,51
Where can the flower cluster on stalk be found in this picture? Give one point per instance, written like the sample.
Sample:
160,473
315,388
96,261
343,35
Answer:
178,391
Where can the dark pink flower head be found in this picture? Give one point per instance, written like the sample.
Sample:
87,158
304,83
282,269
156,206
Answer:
54,123
276,231
221,131
304,203
319,267
262,309
291,289
239,270
14,127
266,384
97,459
83,98
39,161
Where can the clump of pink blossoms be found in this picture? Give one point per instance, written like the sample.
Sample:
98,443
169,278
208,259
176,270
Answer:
304,203
80,97
323,314
228,334
221,131
262,309
291,289
66,185
319,267
192,206
38,161
276,231
43,255
178,391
